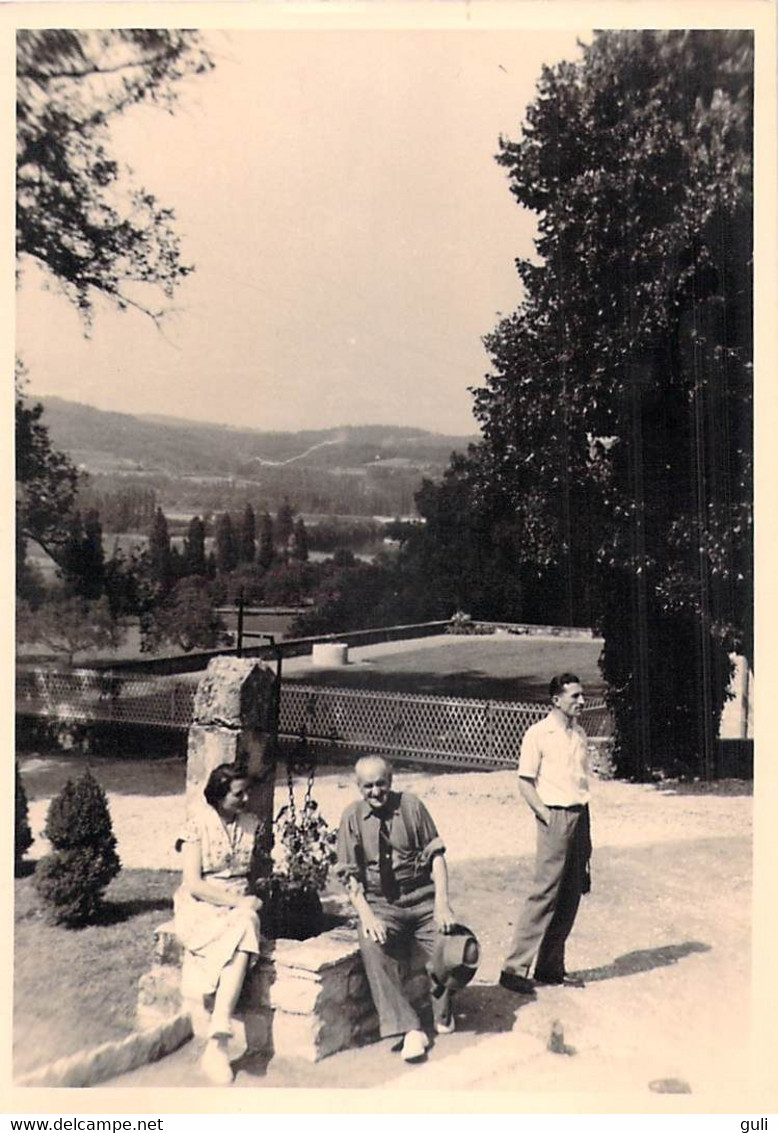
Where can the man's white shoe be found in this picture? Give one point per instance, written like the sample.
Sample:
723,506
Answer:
414,1045
446,1028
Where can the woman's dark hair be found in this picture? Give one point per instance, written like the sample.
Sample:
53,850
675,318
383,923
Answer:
221,779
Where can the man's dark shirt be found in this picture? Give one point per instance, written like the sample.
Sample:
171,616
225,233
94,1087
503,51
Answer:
389,850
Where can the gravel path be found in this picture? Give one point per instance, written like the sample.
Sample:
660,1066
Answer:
479,815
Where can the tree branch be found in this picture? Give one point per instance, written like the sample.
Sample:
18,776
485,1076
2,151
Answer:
45,76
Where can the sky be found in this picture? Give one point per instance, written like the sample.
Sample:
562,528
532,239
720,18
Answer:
353,237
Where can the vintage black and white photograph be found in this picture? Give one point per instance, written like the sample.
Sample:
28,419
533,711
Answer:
384,644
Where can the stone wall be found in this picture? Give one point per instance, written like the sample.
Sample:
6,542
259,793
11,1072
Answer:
304,999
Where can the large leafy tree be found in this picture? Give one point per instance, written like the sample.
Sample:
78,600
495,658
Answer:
627,371
79,215
617,416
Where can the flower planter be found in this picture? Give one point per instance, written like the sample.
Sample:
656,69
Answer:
290,911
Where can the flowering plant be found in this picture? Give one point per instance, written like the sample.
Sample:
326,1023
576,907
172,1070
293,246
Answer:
306,846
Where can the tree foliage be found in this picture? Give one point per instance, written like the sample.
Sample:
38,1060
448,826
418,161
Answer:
82,563
615,463
284,527
617,416
79,215
46,480
69,625
22,832
298,543
160,566
247,535
265,551
194,547
226,544
126,509
186,618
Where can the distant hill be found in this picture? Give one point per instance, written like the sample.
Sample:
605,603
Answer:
383,462
103,441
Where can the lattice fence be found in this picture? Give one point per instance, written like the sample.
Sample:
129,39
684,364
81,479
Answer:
85,695
448,730
445,730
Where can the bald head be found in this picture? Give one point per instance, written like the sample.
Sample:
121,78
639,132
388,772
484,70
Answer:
372,765
374,779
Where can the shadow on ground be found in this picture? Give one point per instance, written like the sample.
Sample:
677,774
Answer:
642,960
488,1010
116,912
476,683
728,787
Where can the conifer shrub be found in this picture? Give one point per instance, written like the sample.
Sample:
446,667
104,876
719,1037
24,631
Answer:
73,877
22,831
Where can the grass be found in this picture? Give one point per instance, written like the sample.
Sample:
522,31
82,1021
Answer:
496,667
77,988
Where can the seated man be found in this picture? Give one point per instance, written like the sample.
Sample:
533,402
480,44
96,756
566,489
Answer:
392,861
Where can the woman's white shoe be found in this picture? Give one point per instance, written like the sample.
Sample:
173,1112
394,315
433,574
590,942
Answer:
215,1064
219,1028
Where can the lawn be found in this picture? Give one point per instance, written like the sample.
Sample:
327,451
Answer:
77,988
494,667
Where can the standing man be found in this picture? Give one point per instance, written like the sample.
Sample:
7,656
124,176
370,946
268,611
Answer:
553,781
392,861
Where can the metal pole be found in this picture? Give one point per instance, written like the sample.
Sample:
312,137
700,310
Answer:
241,603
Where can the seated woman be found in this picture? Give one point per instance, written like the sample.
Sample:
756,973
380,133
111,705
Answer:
215,918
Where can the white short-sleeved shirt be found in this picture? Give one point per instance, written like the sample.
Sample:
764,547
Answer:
557,759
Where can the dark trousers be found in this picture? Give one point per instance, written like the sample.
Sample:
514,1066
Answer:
548,913
409,918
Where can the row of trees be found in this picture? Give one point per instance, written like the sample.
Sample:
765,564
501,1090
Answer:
127,509
316,491
237,540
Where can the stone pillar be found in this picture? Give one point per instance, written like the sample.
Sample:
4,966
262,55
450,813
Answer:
233,721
